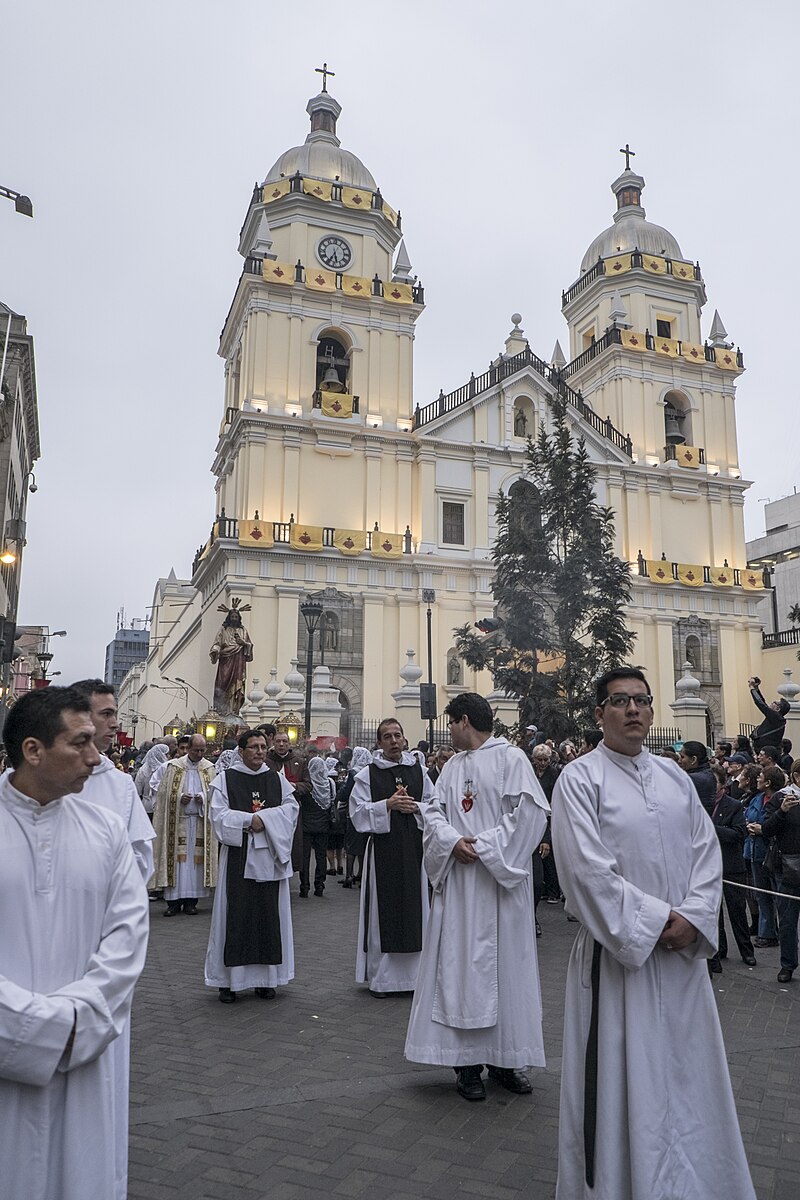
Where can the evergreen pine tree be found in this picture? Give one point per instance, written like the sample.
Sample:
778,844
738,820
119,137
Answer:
560,591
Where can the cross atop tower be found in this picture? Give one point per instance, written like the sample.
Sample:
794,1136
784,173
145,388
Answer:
629,154
324,72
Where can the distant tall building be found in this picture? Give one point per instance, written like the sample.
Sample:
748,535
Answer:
129,647
778,552
19,449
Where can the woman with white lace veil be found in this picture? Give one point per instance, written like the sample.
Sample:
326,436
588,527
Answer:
354,842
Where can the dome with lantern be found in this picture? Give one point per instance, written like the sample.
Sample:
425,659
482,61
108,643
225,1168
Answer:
321,155
630,230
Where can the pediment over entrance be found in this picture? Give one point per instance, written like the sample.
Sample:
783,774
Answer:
492,416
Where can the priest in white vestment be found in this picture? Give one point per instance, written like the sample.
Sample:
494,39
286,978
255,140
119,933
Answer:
478,998
647,1110
186,860
254,814
75,918
116,792
387,802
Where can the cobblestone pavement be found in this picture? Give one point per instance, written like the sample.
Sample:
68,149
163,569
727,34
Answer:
310,1094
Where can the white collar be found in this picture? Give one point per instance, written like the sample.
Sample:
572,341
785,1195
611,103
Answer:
380,760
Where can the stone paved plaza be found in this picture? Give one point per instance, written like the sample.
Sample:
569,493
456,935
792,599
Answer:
309,1095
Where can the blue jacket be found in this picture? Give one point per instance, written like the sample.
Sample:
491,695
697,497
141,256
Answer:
755,848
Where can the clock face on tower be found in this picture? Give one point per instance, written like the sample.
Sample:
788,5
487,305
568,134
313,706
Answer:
334,253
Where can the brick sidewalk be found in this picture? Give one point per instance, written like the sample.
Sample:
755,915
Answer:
310,1093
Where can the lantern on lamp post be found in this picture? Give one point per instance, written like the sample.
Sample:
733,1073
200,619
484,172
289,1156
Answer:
311,611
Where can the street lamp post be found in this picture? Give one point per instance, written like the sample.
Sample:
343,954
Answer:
312,615
23,204
178,679
45,656
429,598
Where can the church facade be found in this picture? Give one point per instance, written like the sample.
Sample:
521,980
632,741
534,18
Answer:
332,483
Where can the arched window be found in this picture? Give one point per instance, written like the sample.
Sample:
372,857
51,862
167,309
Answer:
333,364
677,419
525,505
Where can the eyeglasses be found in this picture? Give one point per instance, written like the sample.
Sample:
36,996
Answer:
622,700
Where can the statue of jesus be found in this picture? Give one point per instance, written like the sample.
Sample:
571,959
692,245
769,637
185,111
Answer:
232,651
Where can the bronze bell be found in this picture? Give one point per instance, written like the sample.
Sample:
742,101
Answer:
672,426
331,381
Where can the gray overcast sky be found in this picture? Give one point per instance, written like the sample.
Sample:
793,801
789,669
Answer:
139,129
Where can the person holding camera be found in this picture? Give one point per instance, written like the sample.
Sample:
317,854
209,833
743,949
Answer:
771,730
782,821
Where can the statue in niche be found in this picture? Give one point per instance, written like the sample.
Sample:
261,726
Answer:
520,423
330,632
454,669
232,650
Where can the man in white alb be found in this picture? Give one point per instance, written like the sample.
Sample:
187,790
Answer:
110,788
74,941
186,859
647,1109
387,802
115,791
477,1000
254,814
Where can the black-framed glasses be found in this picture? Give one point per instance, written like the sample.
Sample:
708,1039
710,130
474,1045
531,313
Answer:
622,700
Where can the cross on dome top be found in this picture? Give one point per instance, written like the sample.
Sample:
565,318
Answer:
629,154
324,72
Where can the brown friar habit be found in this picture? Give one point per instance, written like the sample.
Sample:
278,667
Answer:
397,862
253,927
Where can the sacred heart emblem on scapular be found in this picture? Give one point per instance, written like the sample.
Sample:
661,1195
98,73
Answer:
468,798
257,802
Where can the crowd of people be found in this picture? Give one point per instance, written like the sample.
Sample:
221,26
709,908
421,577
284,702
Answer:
450,851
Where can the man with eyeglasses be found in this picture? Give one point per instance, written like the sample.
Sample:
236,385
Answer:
640,866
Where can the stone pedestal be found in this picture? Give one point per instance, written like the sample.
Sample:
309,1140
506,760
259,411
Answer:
688,709
294,698
269,709
326,708
249,711
406,702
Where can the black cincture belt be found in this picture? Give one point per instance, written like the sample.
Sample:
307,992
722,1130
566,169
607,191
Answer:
590,1073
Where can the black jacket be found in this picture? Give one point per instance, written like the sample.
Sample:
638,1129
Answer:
731,830
705,785
783,826
771,730
547,780
314,818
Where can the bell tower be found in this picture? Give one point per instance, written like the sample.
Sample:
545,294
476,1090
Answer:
319,338
637,350
638,356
